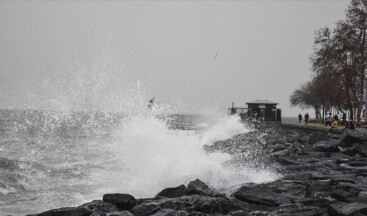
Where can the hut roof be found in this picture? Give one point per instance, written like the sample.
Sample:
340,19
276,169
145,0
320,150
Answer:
262,102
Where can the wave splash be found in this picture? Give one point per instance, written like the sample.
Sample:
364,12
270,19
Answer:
56,158
146,157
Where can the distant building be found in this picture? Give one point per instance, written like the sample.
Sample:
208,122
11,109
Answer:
264,110
237,110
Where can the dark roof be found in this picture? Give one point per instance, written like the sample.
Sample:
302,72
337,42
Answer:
261,102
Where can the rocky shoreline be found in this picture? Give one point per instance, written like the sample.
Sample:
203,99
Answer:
323,174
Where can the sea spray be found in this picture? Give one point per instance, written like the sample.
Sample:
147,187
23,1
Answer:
61,157
146,157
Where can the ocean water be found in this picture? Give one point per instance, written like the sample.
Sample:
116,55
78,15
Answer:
53,159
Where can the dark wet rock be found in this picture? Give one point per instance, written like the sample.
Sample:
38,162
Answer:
261,196
340,158
146,209
349,137
349,151
278,147
361,148
292,189
169,212
7,164
358,213
122,213
336,179
322,203
199,187
173,192
198,203
69,211
239,213
105,207
91,205
122,201
101,208
323,175
327,146
297,209
299,177
261,213
318,137
341,195
352,188
347,209
318,189
360,172
286,161
357,163
317,176
303,139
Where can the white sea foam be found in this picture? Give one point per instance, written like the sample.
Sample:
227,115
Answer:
65,160
148,157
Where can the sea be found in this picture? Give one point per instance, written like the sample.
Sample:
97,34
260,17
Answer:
51,159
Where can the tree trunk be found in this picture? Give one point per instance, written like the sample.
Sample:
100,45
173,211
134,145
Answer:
351,111
359,112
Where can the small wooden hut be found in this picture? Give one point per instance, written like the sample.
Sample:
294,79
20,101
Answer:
263,110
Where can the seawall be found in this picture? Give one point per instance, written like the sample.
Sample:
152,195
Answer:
313,127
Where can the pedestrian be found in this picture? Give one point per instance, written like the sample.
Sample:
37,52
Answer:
334,124
352,124
306,118
300,118
344,117
328,120
336,117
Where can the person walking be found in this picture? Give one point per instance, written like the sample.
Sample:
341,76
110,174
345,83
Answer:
306,118
300,118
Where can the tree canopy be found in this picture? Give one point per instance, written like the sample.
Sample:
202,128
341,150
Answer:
338,66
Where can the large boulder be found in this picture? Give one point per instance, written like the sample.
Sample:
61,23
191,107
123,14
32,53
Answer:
69,211
278,147
361,148
318,189
99,207
357,163
261,195
349,151
340,158
318,137
341,195
199,187
197,203
169,212
146,209
173,192
347,209
303,177
315,202
353,136
297,209
122,213
122,201
327,146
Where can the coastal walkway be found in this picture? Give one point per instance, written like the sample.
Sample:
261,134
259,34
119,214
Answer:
294,123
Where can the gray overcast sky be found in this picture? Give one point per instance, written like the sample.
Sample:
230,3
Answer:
192,55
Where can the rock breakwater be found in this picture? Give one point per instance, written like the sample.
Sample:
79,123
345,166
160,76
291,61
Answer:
323,174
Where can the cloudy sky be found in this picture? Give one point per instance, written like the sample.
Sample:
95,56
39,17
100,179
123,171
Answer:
192,55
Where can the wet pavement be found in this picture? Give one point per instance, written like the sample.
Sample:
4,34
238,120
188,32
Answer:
294,122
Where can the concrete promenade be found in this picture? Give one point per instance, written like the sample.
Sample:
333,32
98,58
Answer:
294,123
